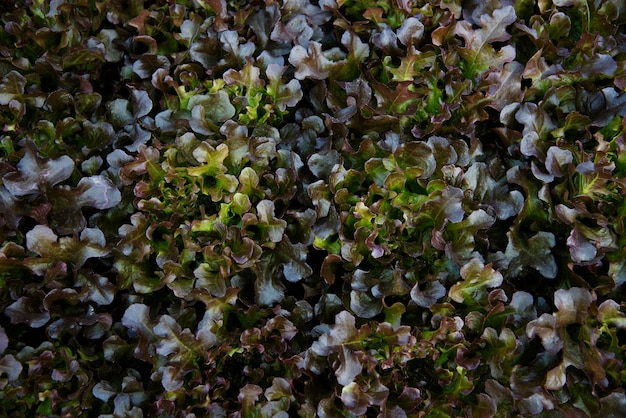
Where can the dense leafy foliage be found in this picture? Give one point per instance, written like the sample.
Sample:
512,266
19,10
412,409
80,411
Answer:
312,208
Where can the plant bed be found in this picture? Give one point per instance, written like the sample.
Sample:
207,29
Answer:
312,208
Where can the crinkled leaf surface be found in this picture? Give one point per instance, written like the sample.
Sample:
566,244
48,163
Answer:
478,51
43,241
303,208
476,279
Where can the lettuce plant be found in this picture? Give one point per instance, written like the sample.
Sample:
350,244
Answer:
312,208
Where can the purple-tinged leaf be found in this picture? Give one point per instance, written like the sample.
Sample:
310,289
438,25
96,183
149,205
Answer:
248,76
310,62
43,241
268,287
137,319
249,396
573,306
535,120
263,22
598,64
535,404
474,9
206,50
97,192
603,105
364,305
344,330
357,400
265,219
478,51
535,252
216,107
147,64
358,51
232,47
350,366
133,237
613,404
410,32
297,30
506,202
280,389
99,289
505,86
11,209
10,367
585,243
522,304
176,344
386,40
446,206
341,338
545,327
109,39
103,391
556,158
322,164
210,278
432,292
142,104
119,113
172,377
129,272
284,95
36,174
27,311
293,257
416,159
555,378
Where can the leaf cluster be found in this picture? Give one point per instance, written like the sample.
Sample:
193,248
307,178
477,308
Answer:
312,208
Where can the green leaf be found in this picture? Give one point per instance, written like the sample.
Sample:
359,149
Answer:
268,288
413,65
416,159
12,87
269,226
216,107
284,95
210,276
478,53
477,278
248,77
610,314
211,160
43,241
